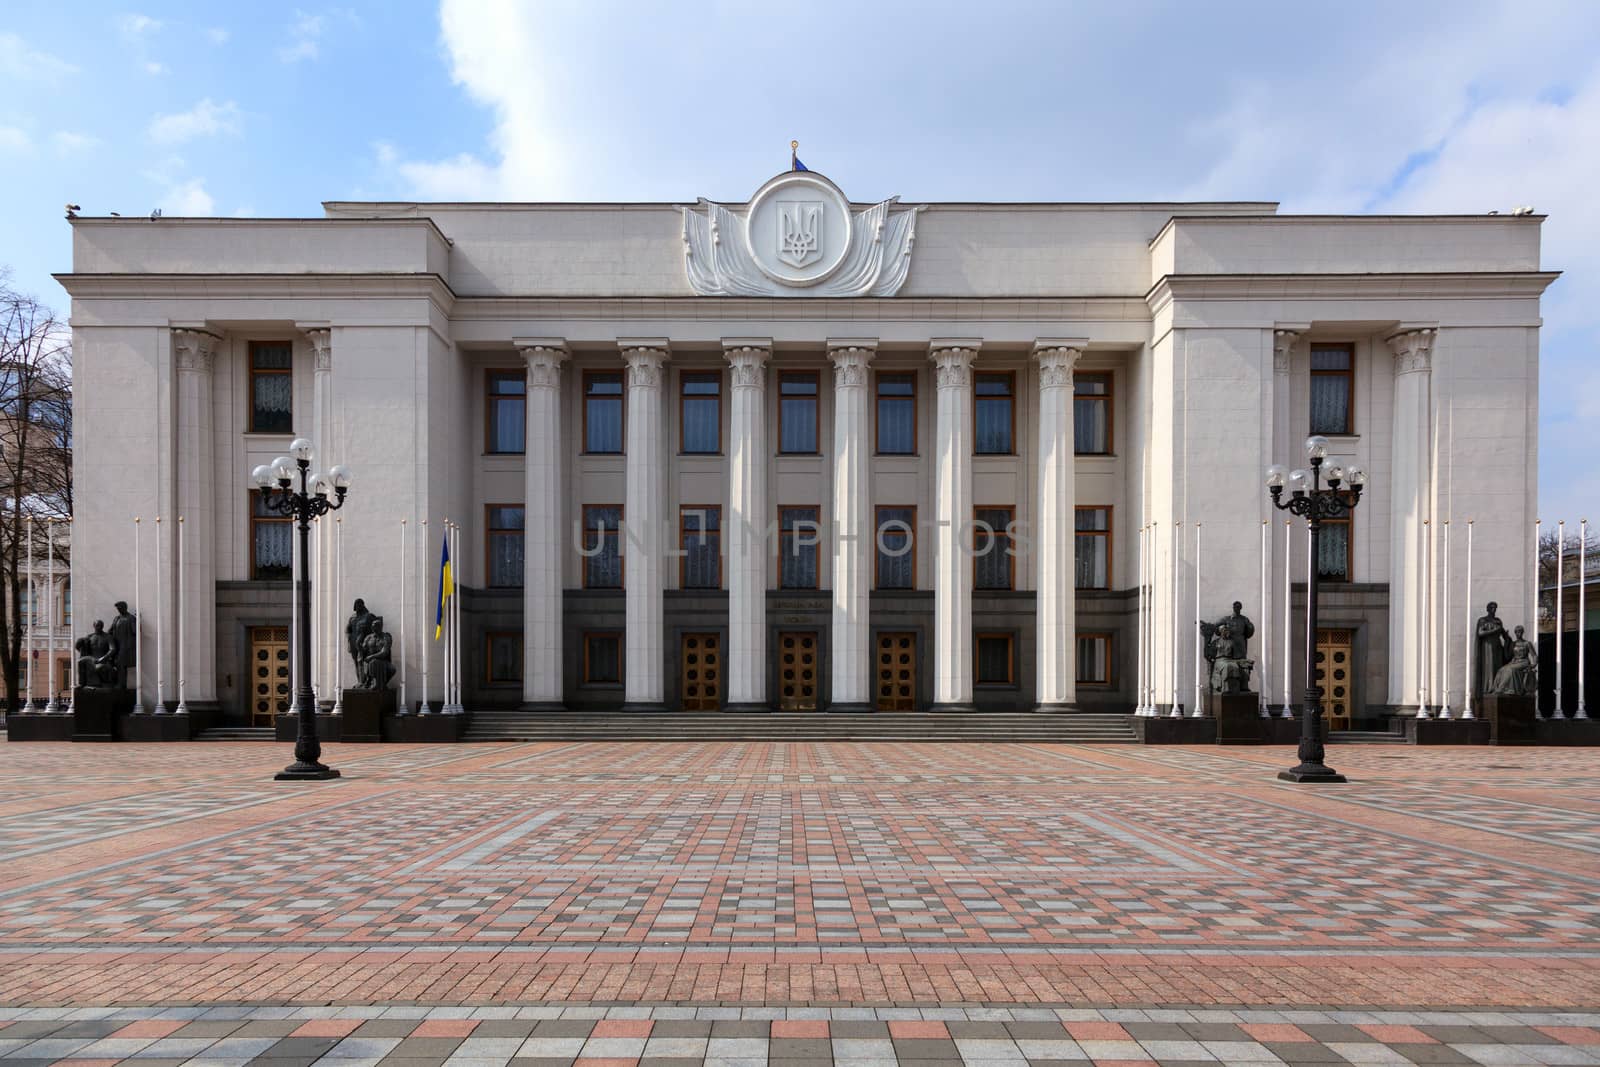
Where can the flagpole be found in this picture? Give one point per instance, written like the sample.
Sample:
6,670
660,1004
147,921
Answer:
1199,696
138,625
402,580
423,707
1266,621
455,600
1443,639
336,676
66,620
1560,711
1172,637
31,624
1534,618
1467,694
1138,702
161,631
1583,560
1288,613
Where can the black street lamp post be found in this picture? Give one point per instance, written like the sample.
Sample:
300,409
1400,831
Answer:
276,483
1316,505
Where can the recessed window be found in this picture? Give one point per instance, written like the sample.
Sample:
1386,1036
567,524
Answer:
798,537
602,546
700,409
504,533
1094,659
1333,550
505,411
897,413
994,564
502,654
797,412
271,542
602,658
1093,548
271,387
700,537
602,412
896,566
1332,387
1091,414
995,410
993,664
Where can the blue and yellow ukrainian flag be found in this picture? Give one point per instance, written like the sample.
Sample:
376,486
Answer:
447,588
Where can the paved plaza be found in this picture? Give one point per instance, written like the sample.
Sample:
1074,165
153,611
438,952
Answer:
802,901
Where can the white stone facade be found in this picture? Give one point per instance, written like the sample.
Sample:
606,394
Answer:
1203,317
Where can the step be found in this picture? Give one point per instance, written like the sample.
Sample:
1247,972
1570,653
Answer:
1365,737
504,724
237,733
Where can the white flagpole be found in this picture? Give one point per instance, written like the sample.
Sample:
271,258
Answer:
1466,689
455,616
1559,711
1266,617
31,625
294,623
1583,560
336,676
1151,543
1422,625
1444,635
1537,532
66,621
183,683
161,631
1288,613
1172,660
1199,670
138,626
423,707
402,580
50,706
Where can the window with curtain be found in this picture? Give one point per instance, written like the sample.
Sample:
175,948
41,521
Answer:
1094,659
502,656
1333,550
700,407
1093,548
66,603
992,662
1332,386
602,546
896,548
602,411
991,548
995,410
25,608
797,411
271,542
271,387
505,411
1091,414
700,538
602,659
798,538
504,523
897,413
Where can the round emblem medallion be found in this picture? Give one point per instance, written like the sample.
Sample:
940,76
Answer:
798,228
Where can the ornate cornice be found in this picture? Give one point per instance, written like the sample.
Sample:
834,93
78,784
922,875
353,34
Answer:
851,357
543,357
747,361
1057,357
1413,350
1283,342
645,358
194,350
952,359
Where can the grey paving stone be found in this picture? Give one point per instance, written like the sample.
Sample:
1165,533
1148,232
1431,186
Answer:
977,1030
799,1048
1455,1033
1215,1032
858,1029
1036,1031
925,1048
425,1047
1157,1032
1518,1035
1419,1053
385,1028
741,1028
681,1028
563,1028
1303,1052
518,1028
1328,1033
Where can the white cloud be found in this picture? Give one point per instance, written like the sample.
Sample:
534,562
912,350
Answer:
217,35
205,119
152,67
14,141
67,143
305,35
188,198
18,60
136,27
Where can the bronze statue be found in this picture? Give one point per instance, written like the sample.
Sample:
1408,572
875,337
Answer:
1520,675
125,632
355,630
375,667
1227,650
97,659
1492,649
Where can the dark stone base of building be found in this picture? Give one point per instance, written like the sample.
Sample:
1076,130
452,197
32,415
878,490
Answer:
1568,733
329,727
39,727
95,713
1243,725
168,727
1446,731
424,728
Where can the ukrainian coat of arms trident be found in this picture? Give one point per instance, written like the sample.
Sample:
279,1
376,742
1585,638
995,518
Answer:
800,231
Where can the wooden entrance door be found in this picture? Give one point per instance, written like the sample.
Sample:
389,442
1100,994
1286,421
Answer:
269,674
1336,677
797,672
700,676
897,672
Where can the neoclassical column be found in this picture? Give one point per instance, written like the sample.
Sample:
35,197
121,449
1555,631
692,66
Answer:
1055,538
194,351
849,650
952,572
745,664
644,644
1409,478
327,648
542,615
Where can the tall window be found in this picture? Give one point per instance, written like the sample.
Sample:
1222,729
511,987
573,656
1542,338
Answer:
896,548
798,536
995,409
25,610
1094,659
504,525
700,537
1332,385
502,655
271,387
700,408
993,662
602,411
602,658
66,603
602,546
1333,550
1093,548
797,411
1091,414
993,562
271,542
505,410
897,413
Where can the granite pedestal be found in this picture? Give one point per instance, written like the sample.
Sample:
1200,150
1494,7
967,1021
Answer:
1238,718
1513,720
96,713
36,727
364,712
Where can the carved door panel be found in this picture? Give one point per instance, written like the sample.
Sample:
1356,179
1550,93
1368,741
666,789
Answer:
797,672
701,674
896,667
1336,676
269,674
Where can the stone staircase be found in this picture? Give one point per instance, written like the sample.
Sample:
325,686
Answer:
1082,728
236,733
1365,737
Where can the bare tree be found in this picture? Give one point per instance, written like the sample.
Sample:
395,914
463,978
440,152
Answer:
35,455
1549,554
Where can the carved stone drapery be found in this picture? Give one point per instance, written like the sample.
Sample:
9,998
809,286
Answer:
1413,350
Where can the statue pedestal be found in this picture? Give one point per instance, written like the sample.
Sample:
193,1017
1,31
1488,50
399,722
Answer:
364,712
33,726
1238,716
95,712
1512,720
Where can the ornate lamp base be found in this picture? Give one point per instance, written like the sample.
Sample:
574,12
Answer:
1311,772
305,772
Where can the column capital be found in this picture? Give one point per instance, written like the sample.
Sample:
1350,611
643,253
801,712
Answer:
543,357
747,361
194,349
1413,349
1284,339
850,357
321,340
953,356
645,357
1057,357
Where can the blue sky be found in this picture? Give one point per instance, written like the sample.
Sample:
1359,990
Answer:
267,109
